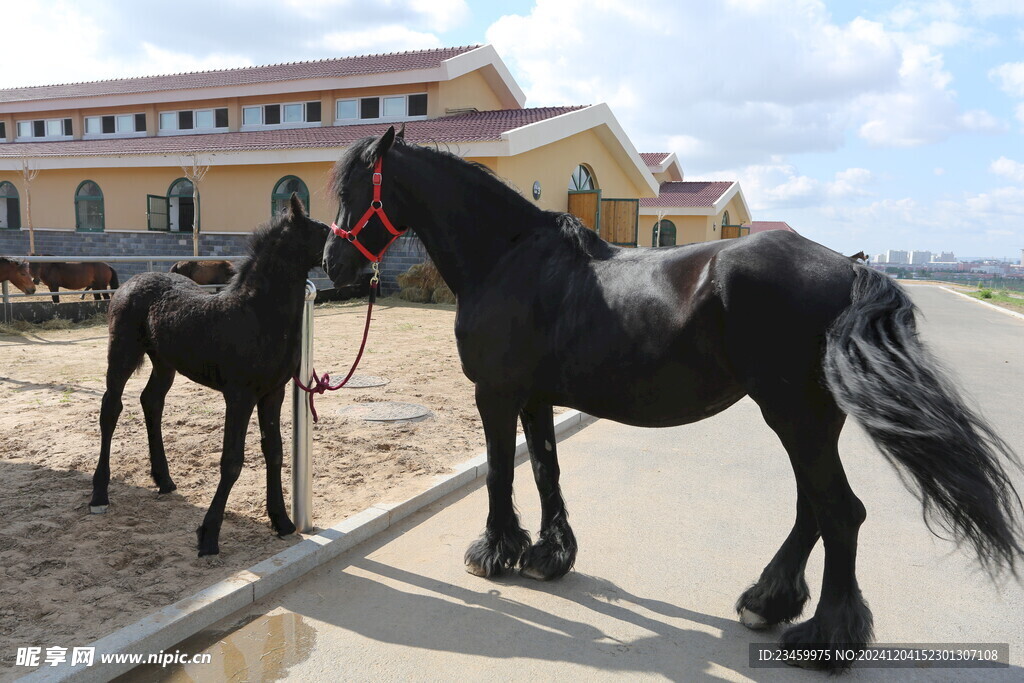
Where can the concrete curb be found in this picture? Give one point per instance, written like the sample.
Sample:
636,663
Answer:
162,630
1007,311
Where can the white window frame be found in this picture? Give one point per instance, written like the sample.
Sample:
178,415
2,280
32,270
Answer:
195,129
283,124
118,133
46,124
356,119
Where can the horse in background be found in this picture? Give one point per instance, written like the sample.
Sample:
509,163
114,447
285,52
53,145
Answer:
19,274
205,272
242,341
94,275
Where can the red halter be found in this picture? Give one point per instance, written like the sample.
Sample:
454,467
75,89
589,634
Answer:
376,207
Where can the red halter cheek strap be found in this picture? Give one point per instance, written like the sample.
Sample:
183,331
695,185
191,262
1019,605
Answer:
376,207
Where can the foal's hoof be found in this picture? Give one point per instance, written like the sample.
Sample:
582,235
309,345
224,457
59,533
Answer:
284,528
476,570
98,509
753,620
206,546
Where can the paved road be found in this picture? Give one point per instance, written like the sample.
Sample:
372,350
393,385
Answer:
673,524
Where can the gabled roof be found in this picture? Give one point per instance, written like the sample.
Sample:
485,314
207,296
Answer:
323,68
654,159
764,226
398,68
663,164
689,194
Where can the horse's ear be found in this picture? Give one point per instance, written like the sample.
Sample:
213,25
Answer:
382,145
296,206
400,135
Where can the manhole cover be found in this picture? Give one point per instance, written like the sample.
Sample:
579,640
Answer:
366,381
386,412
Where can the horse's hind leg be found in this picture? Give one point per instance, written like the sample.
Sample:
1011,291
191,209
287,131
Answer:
504,540
269,413
808,422
152,399
236,422
781,591
123,358
554,553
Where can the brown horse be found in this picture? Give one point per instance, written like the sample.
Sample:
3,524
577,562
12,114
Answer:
17,272
93,275
205,272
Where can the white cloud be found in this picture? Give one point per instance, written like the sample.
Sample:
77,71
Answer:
995,8
1010,77
392,38
773,186
1008,168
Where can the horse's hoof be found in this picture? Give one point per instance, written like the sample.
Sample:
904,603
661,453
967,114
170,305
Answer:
98,509
532,573
476,570
752,620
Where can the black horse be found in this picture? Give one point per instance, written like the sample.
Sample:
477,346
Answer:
242,341
549,314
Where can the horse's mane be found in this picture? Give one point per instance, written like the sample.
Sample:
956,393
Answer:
13,261
584,240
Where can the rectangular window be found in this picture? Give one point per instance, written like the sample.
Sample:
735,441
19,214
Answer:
109,124
67,127
184,120
125,123
140,123
369,108
417,105
169,120
394,106
204,118
93,125
55,127
293,113
313,112
220,117
3,130
252,116
272,114
24,129
346,109
39,129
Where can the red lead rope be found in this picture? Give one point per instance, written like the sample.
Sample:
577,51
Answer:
321,385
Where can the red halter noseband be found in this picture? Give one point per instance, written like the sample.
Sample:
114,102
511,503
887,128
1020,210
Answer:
376,207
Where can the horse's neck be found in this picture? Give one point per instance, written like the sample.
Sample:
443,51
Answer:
273,280
466,229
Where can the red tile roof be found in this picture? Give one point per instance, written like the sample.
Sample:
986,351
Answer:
324,68
763,226
688,194
469,127
653,159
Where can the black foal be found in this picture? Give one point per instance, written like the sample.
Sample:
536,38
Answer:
242,341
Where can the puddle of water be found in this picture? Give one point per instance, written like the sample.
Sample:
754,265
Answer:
262,648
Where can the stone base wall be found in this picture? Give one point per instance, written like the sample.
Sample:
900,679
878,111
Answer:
406,252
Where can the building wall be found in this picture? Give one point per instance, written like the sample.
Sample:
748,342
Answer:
465,92
689,229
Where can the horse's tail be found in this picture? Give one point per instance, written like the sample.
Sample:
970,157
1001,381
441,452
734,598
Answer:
114,283
880,373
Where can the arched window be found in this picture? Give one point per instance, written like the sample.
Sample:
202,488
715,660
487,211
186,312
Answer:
89,207
666,236
10,208
283,192
725,219
581,180
181,206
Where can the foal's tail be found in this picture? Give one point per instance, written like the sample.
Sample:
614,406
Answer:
880,373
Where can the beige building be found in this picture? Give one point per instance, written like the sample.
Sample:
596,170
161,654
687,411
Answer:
112,157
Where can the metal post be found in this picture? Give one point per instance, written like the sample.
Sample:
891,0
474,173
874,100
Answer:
302,425
7,303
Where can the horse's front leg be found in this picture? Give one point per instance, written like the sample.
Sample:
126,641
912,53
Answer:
54,288
269,412
236,422
504,540
554,553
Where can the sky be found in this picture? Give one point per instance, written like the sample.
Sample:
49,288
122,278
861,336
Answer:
867,125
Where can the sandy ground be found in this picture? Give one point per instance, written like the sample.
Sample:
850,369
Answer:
68,577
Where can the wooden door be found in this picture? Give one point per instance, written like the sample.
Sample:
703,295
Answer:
586,205
619,221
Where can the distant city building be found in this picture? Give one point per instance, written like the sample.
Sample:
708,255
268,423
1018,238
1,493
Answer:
919,258
944,257
879,258
896,258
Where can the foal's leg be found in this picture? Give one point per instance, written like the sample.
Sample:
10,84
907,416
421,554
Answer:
123,357
160,381
269,412
504,540
555,550
809,427
236,422
781,591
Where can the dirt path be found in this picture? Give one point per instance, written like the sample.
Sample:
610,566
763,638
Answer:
68,577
